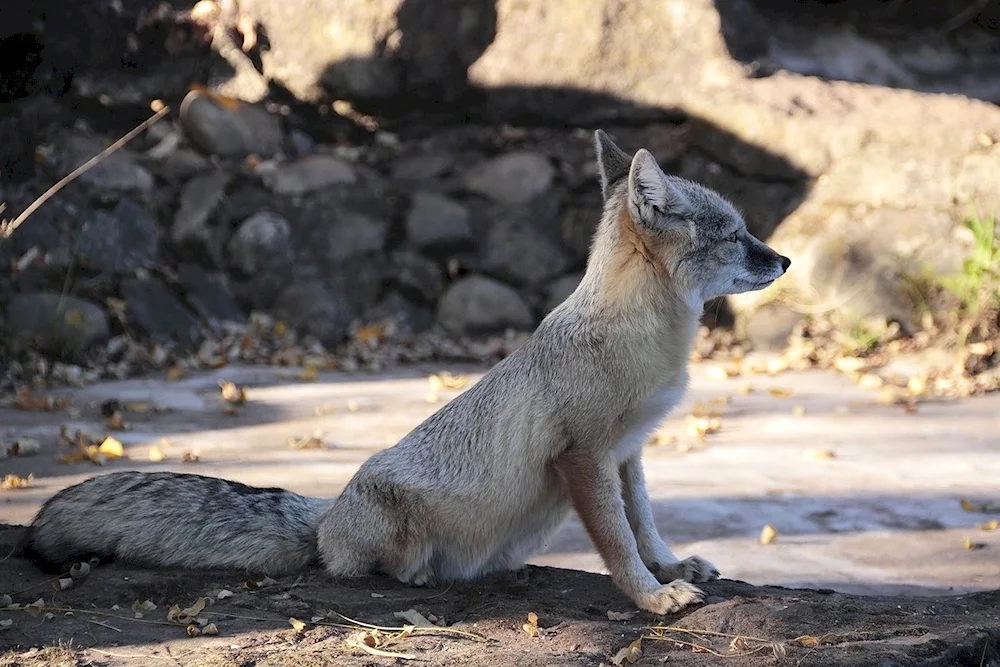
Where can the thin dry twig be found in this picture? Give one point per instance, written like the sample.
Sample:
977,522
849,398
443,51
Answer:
8,228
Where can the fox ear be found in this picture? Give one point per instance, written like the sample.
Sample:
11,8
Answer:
612,162
654,202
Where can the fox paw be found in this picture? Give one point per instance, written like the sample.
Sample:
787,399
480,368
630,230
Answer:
694,569
422,577
671,598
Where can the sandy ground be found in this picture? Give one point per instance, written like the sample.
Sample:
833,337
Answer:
883,517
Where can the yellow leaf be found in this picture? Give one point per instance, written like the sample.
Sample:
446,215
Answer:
12,482
231,393
819,454
768,534
297,624
968,506
807,641
777,392
972,546
532,618
799,410
990,525
111,448
280,329
156,454
629,654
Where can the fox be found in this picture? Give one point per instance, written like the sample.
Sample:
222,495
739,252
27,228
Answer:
479,486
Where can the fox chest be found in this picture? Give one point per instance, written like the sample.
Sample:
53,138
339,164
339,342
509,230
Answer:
640,422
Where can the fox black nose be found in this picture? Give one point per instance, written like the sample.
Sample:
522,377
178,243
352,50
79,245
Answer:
785,263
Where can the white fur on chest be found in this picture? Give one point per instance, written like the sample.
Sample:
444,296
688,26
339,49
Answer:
645,418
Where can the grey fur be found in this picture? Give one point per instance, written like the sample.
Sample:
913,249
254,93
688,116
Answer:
481,484
612,162
171,520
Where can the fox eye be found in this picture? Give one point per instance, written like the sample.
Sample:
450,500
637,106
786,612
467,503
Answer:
734,237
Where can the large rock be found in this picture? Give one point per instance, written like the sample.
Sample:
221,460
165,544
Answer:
232,130
437,223
308,174
53,323
519,253
477,305
200,199
154,309
312,309
262,252
116,174
511,179
119,240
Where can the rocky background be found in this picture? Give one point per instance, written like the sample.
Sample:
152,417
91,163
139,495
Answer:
396,169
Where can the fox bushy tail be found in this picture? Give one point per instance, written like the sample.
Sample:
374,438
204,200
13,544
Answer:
164,520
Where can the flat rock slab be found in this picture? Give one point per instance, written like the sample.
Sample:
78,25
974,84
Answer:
883,516
93,622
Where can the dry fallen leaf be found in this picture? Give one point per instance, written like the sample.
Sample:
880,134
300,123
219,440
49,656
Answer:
111,448
799,410
630,654
115,422
531,627
808,641
156,454
232,393
699,427
990,525
768,534
12,482
973,546
28,400
445,380
210,629
819,454
187,615
309,374
190,457
745,389
777,392
297,624
306,442
413,617
620,615
370,335
175,373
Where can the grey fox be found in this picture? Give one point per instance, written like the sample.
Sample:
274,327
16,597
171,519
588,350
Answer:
481,484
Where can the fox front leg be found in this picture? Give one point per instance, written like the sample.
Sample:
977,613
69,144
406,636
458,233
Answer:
655,553
595,490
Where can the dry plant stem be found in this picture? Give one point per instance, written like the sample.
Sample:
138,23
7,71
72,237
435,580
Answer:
9,228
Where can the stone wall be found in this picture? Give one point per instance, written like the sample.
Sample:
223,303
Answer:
284,199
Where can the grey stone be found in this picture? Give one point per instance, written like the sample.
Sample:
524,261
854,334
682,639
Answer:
309,307
230,132
417,277
208,294
511,179
262,251
200,198
769,327
120,241
118,173
262,242
350,234
410,318
308,174
560,289
422,166
184,163
55,324
520,254
437,223
152,308
356,281
475,305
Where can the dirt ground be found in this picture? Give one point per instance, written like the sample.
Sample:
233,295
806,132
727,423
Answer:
582,619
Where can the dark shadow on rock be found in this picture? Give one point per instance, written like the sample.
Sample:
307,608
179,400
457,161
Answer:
924,45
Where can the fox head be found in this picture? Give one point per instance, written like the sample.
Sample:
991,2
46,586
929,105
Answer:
682,231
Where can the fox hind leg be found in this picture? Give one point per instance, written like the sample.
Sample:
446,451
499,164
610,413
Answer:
371,529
